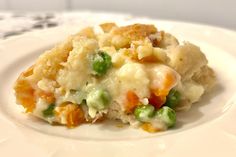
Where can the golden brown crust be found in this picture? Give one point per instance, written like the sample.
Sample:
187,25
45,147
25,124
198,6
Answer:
49,63
107,27
87,32
46,66
135,31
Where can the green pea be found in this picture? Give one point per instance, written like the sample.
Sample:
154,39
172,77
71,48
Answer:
101,62
49,112
173,98
144,113
98,99
167,115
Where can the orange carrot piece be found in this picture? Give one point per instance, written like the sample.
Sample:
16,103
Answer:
75,117
157,101
48,97
132,101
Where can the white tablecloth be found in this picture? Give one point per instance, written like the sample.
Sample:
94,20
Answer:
12,24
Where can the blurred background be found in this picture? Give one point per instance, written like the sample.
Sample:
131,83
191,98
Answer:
214,12
221,13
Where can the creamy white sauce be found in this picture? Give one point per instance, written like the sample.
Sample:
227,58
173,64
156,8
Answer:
40,106
125,75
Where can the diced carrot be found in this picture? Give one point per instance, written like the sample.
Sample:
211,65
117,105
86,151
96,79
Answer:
156,100
73,112
169,81
149,128
25,94
28,103
75,117
158,95
24,90
49,97
132,101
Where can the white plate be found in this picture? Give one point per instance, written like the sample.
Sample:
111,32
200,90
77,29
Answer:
208,129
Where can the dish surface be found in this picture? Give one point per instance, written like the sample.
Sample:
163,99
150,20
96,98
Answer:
207,122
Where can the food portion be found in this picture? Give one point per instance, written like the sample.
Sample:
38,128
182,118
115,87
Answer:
136,74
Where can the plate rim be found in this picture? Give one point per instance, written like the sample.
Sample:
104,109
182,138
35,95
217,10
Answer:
12,39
